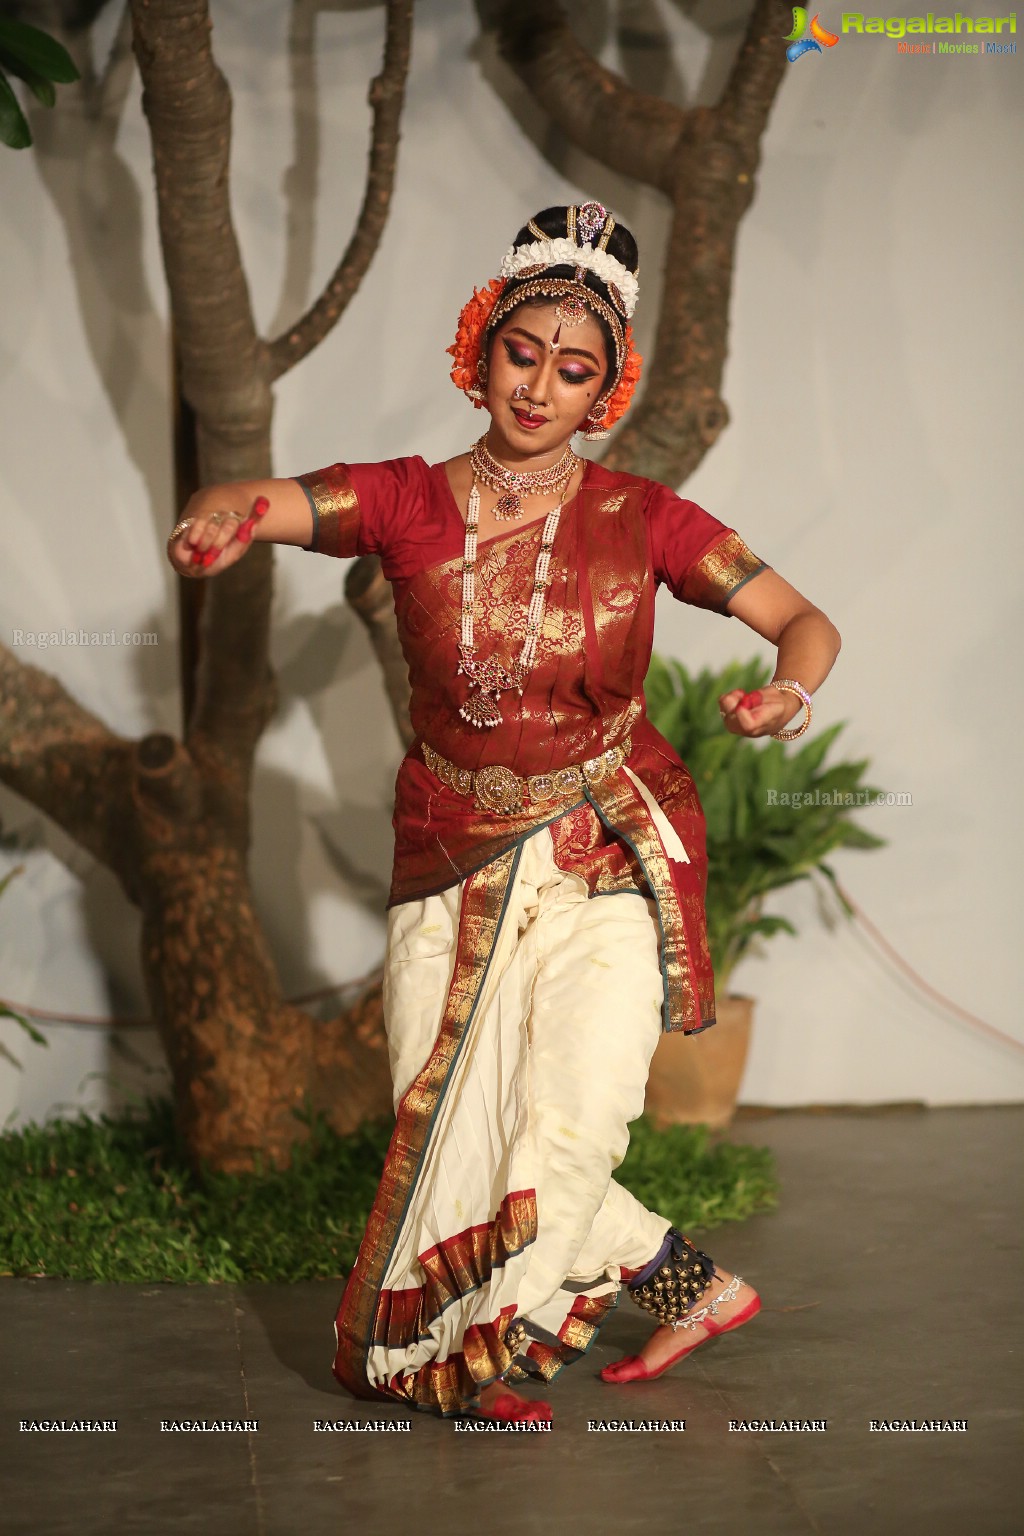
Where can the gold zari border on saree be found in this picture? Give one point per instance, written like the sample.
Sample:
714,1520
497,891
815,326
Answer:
617,801
445,1386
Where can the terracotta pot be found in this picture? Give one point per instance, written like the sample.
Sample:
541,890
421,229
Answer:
695,1079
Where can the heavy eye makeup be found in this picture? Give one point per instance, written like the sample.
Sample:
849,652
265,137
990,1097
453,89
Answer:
523,359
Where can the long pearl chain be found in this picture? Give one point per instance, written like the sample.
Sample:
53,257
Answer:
489,678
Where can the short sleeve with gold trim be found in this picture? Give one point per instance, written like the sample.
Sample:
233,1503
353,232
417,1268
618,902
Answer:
363,509
700,559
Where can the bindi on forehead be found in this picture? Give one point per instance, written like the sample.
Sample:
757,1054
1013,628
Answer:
554,339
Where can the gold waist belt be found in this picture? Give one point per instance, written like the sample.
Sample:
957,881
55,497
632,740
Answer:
496,788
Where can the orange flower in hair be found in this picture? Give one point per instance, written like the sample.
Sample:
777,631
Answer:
469,337
622,395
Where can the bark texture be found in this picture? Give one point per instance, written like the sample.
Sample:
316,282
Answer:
172,818
704,160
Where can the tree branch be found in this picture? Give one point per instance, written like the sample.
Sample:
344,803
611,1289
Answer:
188,106
387,96
61,758
704,159
682,411
749,94
627,129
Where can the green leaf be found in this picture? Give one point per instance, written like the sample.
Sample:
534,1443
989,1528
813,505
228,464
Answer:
768,925
852,836
14,130
831,877
30,1029
41,88
37,50
813,753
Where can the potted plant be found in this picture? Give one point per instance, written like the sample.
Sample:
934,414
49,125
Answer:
757,843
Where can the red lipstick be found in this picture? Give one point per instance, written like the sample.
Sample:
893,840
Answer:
528,420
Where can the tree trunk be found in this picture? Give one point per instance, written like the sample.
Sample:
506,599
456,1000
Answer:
172,819
704,160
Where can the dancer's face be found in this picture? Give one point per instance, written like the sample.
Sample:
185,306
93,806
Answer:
559,371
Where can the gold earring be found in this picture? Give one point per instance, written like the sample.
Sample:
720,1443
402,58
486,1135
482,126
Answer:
592,429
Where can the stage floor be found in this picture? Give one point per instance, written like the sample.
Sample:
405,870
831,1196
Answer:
891,1290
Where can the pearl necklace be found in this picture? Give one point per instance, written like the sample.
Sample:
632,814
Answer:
516,483
489,678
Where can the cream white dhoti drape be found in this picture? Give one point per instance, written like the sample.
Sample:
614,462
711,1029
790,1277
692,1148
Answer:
511,1211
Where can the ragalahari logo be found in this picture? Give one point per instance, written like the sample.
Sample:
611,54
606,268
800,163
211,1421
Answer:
799,44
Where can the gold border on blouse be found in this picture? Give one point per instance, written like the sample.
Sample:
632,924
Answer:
717,574
336,508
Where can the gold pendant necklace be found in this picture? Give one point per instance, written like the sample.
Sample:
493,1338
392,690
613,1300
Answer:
514,484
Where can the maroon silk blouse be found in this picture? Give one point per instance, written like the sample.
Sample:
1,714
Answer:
617,539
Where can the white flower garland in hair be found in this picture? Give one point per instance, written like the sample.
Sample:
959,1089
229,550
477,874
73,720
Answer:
566,253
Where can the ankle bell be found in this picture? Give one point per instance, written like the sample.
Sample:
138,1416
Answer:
674,1280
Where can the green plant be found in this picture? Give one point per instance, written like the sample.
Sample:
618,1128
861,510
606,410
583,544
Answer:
115,1199
757,843
39,60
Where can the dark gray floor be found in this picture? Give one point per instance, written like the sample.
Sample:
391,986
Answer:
891,1286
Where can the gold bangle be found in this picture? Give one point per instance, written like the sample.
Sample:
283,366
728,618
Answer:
787,685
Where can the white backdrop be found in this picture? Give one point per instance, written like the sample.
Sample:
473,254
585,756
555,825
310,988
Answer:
874,355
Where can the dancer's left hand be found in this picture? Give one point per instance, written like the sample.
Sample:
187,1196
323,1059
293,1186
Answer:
760,713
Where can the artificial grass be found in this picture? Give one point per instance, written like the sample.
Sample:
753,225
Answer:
114,1199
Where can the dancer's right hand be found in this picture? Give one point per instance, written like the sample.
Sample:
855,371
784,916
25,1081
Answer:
209,539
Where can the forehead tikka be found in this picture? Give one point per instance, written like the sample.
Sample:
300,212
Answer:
572,309
569,295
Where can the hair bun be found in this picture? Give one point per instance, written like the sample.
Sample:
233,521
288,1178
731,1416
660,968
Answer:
581,243
559,224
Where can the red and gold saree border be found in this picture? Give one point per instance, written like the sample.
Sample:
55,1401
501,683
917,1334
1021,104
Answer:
364,1316
581,1327
622,809
455,1268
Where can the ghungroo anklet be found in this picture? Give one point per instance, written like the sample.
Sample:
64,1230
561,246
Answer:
674,1280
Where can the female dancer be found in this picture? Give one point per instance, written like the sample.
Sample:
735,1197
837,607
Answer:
521,1010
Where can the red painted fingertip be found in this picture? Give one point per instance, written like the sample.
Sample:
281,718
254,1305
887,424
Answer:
245,531
210,556
260,505
197,557
752,700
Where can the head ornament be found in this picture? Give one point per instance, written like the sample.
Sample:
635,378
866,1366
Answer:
573,267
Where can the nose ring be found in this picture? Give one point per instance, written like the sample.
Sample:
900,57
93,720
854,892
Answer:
520,392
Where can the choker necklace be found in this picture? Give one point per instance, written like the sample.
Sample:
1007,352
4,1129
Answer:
489,678
513,484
